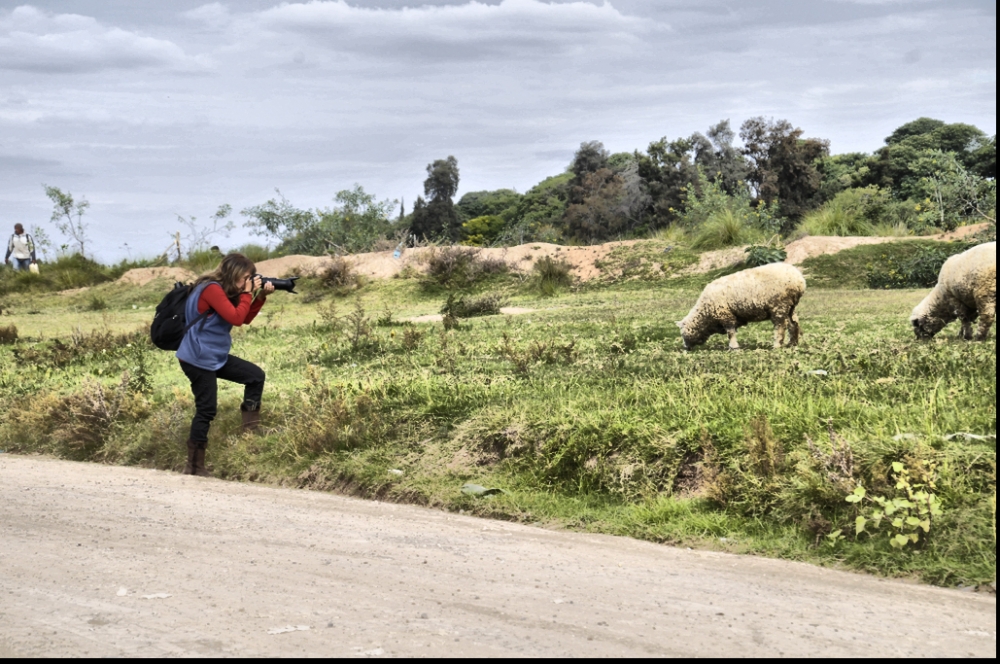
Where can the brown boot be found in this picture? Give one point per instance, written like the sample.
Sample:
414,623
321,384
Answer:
192,448
199,463
251,420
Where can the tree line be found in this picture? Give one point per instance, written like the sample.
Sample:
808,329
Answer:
766,179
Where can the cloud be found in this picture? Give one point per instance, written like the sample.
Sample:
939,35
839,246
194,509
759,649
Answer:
517,29
35,41
214,15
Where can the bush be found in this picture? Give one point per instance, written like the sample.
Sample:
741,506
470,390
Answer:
759,255
468,307
461,267
550,275
340,277
96,303
918,271
864,212
8,334
724,229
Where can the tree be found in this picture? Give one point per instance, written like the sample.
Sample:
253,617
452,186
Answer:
354,224
782,165
437,217
199,237
278,219
894,166
67,215
719,158
502,202
667,170
589,159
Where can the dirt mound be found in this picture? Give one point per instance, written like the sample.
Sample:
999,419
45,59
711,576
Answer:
582,260
811,247
383,265
144,275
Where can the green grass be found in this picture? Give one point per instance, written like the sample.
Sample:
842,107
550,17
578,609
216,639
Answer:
586,411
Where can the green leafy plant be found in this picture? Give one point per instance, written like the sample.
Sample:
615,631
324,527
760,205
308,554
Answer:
759,255
906,516
551,275
472,307
920,270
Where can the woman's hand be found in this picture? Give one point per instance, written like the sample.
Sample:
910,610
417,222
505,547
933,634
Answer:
252,283
268,288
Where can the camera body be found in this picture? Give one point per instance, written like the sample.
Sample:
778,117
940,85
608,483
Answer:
287,285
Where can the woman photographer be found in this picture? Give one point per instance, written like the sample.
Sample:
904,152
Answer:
218,302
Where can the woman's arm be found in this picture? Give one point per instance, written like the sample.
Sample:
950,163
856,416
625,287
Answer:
255,308
213,297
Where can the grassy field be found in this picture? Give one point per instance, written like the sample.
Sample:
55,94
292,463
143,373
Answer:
585,411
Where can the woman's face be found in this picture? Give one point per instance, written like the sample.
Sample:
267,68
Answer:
242,283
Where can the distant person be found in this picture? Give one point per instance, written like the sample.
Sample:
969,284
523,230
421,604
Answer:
22,248
227,297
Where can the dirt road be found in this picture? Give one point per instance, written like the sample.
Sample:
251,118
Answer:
104,561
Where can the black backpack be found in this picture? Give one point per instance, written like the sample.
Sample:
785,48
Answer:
168,329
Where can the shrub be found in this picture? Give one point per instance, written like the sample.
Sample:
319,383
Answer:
96,303
918,271
469,307
461,267
836,218
724,229
8,334
759,255
550,275
340,276
255,252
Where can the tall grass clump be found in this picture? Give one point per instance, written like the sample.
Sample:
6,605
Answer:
724,229
461,267
549,275
836,219
340,277
8,334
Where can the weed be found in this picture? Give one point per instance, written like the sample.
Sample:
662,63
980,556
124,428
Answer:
340,277
8,334
472,307
461,267
96,303
725,229
412,337
551,275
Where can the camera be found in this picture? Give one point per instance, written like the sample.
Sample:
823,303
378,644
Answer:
287,285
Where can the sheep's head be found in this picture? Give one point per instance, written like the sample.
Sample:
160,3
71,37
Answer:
692,334
927,318
926,327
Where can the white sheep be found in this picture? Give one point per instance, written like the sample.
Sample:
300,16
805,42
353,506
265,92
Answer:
966,290
771,292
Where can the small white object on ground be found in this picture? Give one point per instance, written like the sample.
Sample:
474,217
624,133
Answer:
288,630
122,592
157,596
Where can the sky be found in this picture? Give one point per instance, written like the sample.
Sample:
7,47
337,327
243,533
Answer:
153,110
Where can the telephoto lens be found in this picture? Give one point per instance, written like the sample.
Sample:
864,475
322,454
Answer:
287,285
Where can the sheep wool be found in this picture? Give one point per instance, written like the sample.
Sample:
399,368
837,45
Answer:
771,292
966,290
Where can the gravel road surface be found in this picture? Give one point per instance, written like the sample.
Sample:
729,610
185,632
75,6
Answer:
107,561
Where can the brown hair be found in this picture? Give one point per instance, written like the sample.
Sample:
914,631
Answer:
229,273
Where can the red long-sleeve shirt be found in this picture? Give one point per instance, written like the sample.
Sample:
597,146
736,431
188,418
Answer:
214,298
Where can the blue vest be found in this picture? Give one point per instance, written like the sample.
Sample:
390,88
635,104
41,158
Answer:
207,344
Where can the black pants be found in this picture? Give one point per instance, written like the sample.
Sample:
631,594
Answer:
205,386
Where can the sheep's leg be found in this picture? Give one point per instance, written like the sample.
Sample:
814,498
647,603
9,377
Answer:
780,328
796,330
966,316
986,319
733,344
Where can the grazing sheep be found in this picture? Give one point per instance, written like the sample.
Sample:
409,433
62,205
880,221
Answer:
771,292
966,290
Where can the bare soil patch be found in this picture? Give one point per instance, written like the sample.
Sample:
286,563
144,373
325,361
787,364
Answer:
145,275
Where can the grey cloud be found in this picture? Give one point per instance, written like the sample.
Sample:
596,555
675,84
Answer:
38,42
314,97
